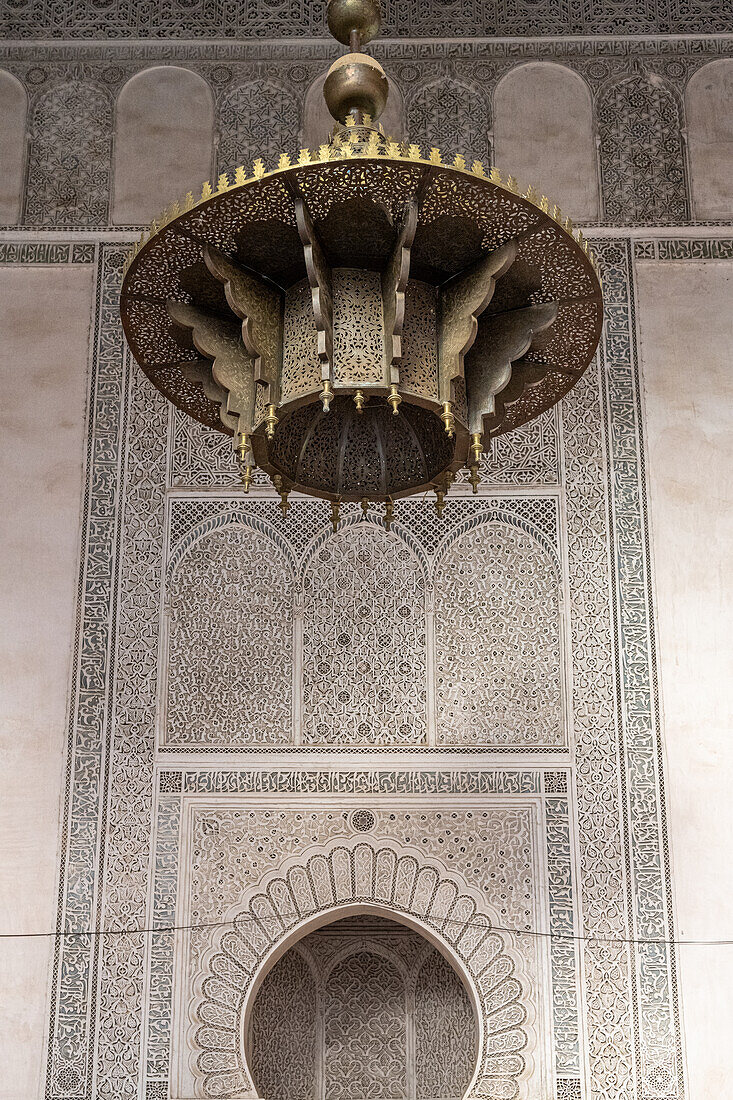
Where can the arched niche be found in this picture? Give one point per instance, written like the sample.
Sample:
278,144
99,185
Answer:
228,654
318,123
164,130
453,115
641,154
363,597
69,156
709,109
498,639
543,135
362,1008
12,146
356,877
260,119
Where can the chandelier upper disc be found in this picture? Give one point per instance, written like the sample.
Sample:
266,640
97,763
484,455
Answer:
364,320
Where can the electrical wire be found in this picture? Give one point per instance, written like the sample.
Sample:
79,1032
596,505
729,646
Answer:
206,926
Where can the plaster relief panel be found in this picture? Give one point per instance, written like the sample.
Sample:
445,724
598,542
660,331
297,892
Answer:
452,115
498,640
69,160
229,641
642,160
364,641
258,119
272,872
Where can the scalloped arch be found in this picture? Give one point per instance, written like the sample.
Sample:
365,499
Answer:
351,876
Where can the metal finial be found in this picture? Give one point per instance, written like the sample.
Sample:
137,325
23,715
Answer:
388,513
448,419
359,401
394,399
271,421
326,395
335,515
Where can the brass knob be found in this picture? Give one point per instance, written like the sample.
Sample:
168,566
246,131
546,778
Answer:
356,85
348,16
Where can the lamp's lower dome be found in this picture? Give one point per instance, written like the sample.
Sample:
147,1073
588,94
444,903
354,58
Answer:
352,455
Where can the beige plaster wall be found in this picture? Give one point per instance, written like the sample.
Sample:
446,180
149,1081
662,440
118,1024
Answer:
164,142
709,106
44,332
543,135
686,325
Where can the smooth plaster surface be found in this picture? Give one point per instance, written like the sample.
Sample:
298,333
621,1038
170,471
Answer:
13,107
164,142
44,331
709,107
686,326
543,135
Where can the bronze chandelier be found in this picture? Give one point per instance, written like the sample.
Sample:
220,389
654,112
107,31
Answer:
364,320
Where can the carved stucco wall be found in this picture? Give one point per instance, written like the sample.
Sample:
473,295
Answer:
174,729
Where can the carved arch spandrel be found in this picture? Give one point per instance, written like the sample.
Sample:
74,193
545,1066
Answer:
242,952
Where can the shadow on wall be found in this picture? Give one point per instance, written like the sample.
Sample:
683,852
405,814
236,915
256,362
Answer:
543,135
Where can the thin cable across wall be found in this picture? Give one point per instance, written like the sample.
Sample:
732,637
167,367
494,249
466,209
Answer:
635,941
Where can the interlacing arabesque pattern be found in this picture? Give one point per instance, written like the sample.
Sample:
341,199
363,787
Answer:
603,775
492,580
607,966
365,624
282,1035
637,89
409,18
364,641
365,1030
395,878
229,641
365,1011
